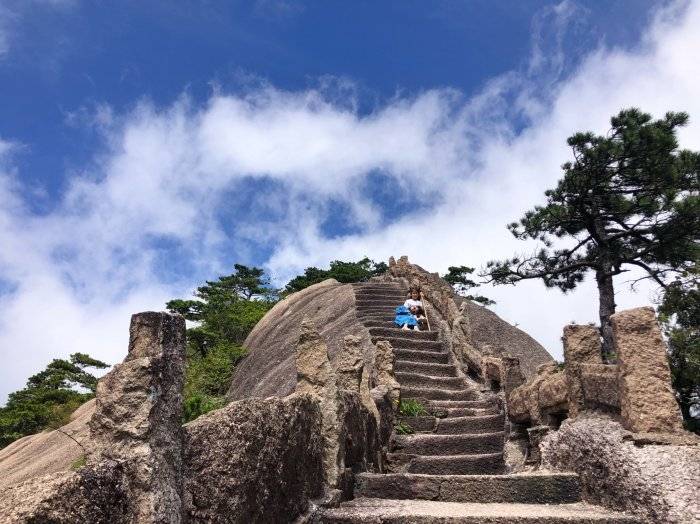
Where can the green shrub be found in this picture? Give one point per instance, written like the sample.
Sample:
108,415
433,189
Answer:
411,408
403,429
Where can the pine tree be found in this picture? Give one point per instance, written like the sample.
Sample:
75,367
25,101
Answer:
628,200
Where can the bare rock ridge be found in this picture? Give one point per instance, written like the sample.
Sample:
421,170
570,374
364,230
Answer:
499,432
268,369
450,467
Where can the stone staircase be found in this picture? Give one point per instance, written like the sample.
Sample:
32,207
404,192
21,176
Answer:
451,468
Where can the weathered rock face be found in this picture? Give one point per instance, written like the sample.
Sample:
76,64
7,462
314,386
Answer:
657,483
350,364
138,416
97,494
255,460
384,369
647,402
269,367
582,344
536,401
476,330
46,452
315,376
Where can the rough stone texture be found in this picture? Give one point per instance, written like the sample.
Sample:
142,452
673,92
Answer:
535,436
590,383
385,408
657,483
477,329
350,364
138,416
380,511
384,370
47,452
269,367
647,402
582,344
255,460
316,376
537,400
492,371
96,494
512,376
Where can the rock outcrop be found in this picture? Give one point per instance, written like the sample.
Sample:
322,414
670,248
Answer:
255,460
138,416
658,483
46,452
269,368
647,401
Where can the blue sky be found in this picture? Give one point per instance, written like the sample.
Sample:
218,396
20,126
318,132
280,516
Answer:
145,146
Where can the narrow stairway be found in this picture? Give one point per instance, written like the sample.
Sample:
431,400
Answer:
451,467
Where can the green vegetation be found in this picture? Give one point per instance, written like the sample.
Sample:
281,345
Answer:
78,463
628,200
459,278
344,272
402,428
49,397
679,312
411,408
226,310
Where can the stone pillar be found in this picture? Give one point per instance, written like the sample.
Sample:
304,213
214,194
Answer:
350,364
581,346
535,435
316,376
138,417
512,376
384,367
647,402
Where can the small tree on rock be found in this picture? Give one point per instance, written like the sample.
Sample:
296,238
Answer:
628,199
459,277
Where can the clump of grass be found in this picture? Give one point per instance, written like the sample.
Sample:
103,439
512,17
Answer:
78,463
403,429
411,408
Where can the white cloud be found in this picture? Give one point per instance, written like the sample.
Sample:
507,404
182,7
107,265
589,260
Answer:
166,174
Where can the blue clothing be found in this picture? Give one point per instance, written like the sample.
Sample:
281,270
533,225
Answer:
404,317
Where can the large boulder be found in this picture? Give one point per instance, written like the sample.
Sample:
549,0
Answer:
269,367
46,452
657,481
255,460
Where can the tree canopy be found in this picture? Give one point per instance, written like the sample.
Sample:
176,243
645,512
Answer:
459,277
49,397
627,200
679,312
344,272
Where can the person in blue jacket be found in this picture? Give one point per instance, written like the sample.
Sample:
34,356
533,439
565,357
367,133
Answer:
404,319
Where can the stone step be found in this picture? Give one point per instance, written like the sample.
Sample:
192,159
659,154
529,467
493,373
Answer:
379,314
361,286
390,511
377,302
421,423
425,368
469,412
398,332
534,488
486,464
397,296
407,342
432,445
457,425
437,394
447,404
371,323
427,381
407,355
